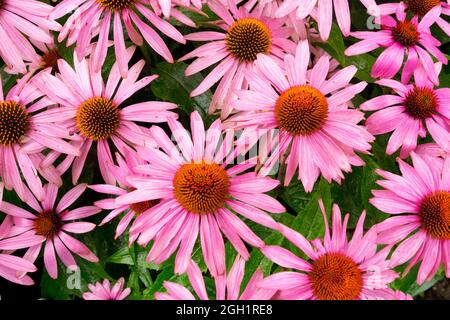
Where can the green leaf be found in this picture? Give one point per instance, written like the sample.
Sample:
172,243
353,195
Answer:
172,85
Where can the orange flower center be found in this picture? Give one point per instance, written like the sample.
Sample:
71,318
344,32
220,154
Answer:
117,4
406,33
421,7
336,277
301,110
98,118
435,215
247,37
50,60
48,224
14,122
143,206
201,187
421,103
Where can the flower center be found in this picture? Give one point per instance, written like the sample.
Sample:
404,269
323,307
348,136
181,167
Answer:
48,224
14,122
201,187
421,7
117,4
301,110
98,118
406,33
247,37
336,277
421,103
435,215
50,60
143,206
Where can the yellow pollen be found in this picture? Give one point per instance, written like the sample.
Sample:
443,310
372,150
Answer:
14,122
435,215
48,224
336,277
247,37
98,118
301,110
201,187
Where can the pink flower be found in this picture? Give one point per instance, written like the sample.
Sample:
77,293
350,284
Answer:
126,167
244,35
413,110
26,131
196,194
400,36
419,8
339,270
303,111
95,17
93,109
23,23
322,12
227,286
420,201
48,228
10,265
103,291
168,7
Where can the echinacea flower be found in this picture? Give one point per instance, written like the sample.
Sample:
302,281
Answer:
47,226
10,265
400,36
235,49
96,17
197,194
22,24
338,269
25,131
126,167
420,8
419,199
104,291
93,109
322,11
410,112
310,114
228,287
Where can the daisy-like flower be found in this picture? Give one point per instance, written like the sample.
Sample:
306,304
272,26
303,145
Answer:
10,265
22,24
92,109
339,269
420,200
420,8
104,291
322,12
196,194
400,36
25,131
244,36
47,226
96,17
227,286
124,169
413,110
310,113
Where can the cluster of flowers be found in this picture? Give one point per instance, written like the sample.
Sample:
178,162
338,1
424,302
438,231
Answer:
273,85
